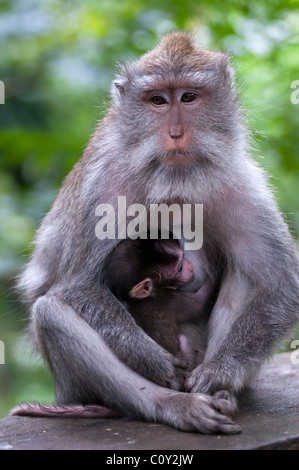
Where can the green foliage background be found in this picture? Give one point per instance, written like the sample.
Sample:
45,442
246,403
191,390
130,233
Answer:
57,60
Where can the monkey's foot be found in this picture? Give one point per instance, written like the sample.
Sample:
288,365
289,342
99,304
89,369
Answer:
197,412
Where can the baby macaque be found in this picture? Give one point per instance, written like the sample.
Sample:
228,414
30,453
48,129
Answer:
147,277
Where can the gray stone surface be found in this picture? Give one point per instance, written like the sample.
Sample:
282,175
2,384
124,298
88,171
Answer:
268,415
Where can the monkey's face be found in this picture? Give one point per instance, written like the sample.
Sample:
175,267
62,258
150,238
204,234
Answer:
171,110
171,275
172,270
180,123
176,120
184,121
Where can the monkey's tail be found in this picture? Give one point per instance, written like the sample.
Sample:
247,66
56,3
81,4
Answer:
69,411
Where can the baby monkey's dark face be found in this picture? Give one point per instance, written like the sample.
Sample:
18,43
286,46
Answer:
143,268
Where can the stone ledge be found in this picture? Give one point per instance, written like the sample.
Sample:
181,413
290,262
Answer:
268,415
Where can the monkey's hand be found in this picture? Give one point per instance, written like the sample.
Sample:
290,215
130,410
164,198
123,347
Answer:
170,373
181,373
209,378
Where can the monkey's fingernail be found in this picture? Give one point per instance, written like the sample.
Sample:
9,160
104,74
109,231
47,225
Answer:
189,384
234,428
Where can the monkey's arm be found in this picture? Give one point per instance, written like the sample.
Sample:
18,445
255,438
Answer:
258,303
110,319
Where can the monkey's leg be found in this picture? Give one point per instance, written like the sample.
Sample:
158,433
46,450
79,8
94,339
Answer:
86,371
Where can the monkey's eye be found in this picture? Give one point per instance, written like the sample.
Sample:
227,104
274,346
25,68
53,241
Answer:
180,268
188,97
158,100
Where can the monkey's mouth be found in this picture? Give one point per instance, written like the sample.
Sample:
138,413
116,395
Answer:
178,158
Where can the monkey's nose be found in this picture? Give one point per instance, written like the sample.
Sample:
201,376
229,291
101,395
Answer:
176,131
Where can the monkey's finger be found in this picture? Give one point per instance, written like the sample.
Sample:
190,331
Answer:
221,422
180,363
203,379
226,426
230,428
212,421
224,406
190,383
227,397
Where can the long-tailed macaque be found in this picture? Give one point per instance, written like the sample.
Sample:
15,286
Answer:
148,276
175,135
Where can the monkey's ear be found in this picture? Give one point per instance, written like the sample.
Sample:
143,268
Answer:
143,289
119,85
225,66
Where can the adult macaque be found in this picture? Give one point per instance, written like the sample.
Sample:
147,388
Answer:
174,134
